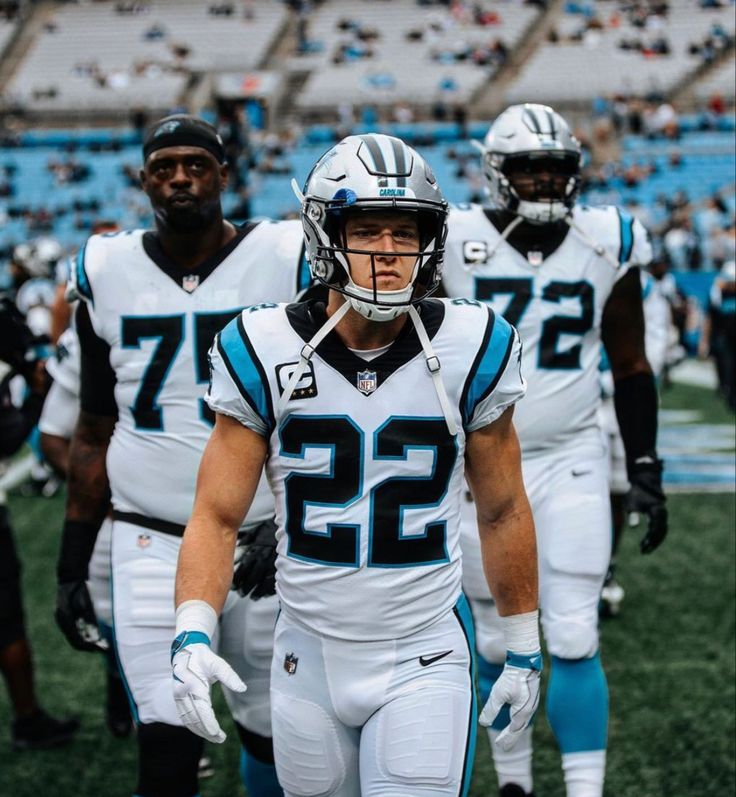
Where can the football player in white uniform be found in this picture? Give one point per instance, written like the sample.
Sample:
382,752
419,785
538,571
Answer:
366,441
563,273
152,304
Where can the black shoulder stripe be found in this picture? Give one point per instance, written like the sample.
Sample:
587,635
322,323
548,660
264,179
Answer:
476,362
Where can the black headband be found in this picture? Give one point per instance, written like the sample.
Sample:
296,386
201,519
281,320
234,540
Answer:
183,130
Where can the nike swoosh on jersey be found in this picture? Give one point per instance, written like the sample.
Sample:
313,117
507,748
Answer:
580,472
427,660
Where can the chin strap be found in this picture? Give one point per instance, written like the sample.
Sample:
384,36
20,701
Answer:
432,360
433,365
305,355
510,227
596,247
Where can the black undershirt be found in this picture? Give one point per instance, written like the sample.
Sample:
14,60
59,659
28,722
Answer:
528,237
97,392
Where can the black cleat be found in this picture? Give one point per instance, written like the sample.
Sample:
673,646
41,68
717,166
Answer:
514,790
117,709
41,731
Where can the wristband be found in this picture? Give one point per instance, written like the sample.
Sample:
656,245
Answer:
521,633
77,543
196,616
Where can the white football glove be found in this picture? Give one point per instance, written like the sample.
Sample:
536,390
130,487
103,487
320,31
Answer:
195,667
518,685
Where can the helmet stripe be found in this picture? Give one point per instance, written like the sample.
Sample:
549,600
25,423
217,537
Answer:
375,150
400,158
552,129
532,119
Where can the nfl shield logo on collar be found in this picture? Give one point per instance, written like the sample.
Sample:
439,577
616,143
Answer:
190,282
290,663
367,382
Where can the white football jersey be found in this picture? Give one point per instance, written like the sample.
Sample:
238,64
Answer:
159,325
657,322
64,364
556,303
366,475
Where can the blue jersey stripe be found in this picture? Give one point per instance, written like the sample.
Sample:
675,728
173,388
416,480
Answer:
245,369
489,363
463,614
81,280
626,223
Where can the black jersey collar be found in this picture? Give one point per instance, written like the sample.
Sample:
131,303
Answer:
306,318
189,282
528,237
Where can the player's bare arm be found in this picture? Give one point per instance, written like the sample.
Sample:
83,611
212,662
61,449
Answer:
508,547
622,328
636,402
89,490
227,480
88,498
505,523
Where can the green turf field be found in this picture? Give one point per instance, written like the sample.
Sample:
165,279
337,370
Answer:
669,656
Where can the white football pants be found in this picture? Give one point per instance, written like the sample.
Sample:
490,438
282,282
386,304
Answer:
395,718
143,573
568,492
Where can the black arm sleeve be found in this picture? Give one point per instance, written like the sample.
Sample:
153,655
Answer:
636,403
97,392
16,423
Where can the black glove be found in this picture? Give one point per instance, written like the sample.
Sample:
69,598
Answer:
17,342
647,497
255,573
76,617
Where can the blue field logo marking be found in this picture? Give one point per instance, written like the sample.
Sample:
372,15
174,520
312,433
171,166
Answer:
699,457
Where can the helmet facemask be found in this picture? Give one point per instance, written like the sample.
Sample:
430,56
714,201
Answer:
332,254
539,186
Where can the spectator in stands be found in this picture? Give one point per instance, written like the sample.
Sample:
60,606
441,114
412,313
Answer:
155,33
221,9
722,243
682,245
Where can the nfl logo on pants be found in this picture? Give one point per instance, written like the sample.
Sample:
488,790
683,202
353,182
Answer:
290,662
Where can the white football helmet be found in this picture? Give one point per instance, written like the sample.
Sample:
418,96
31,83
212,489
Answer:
365,173
526,142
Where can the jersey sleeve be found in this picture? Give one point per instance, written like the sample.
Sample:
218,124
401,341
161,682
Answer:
237,383
635,248
495,381
641,251
79,283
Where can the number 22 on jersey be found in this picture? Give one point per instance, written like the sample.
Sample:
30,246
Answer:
342,486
